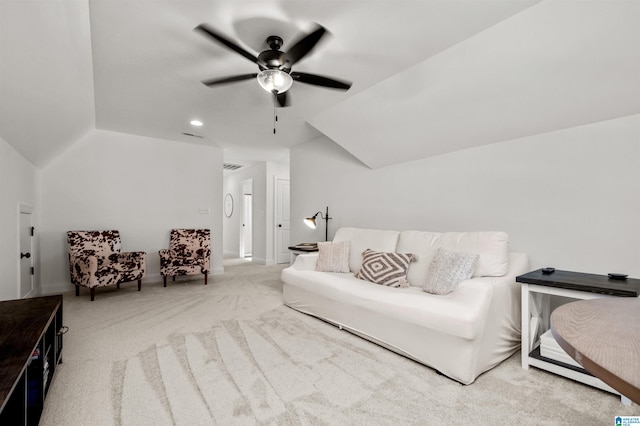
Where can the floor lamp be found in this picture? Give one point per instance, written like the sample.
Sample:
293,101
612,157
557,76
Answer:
311,222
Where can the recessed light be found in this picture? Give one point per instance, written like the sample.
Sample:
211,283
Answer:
196,123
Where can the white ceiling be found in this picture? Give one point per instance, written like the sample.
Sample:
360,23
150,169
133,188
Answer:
555,65
441,74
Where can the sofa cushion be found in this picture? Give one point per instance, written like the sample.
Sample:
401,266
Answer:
492,248
424,246
386,268
447,270
461,313
362,239
333,256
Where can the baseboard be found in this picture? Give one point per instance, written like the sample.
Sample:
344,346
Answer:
31,293
63,287
152,278
55,288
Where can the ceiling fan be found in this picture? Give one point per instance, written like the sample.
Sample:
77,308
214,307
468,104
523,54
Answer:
275,75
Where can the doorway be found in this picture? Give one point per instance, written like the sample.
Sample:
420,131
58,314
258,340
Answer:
246,226
26,257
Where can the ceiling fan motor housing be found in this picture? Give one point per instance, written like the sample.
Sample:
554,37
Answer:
273,59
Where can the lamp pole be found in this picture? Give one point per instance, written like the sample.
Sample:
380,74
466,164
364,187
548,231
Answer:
326,224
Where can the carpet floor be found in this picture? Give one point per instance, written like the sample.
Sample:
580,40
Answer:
230,353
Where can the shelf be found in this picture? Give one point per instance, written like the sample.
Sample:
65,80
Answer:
537,290
535,354
27,325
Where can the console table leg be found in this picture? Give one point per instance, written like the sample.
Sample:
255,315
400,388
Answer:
535,320
539,322
524,329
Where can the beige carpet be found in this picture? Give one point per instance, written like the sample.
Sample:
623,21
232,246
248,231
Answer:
231,353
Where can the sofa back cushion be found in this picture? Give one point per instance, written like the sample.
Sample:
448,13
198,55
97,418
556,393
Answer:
362,239
491,247
424,246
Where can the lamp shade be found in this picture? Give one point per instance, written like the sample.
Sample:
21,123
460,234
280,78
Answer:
311,221
274,80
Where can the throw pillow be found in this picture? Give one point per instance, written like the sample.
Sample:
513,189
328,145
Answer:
448,269
333,257
384,268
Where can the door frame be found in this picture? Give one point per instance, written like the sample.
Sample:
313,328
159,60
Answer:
277,231
25,209
246,187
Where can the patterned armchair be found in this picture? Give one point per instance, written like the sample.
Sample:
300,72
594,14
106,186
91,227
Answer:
189,253
95,260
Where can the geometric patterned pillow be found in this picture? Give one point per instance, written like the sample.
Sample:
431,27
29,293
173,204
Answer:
448,269
333,257
388,269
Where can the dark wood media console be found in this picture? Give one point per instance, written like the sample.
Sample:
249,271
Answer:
30,350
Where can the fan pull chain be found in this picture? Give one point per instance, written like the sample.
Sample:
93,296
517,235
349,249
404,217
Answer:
275,115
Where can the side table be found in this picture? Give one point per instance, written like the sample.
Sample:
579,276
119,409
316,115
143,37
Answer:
301,249
537,289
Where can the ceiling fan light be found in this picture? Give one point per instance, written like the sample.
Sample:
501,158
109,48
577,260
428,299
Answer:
274,79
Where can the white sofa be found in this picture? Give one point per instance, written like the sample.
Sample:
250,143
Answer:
461,334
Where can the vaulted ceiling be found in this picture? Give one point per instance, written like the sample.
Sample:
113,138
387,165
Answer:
428,76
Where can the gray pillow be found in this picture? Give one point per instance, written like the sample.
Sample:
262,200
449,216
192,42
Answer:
448,269
384,268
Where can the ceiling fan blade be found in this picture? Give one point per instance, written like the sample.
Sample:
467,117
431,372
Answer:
231,79
283,100
226,42
303,46
319,80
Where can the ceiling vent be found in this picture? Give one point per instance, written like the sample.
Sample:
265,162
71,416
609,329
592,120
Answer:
192,135
229,166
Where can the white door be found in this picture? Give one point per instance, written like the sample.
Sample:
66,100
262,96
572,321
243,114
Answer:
26,253
282,221
247,225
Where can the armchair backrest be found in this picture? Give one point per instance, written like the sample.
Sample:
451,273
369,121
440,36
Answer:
190,242
100,243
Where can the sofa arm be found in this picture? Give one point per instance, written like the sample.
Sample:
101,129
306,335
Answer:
305,262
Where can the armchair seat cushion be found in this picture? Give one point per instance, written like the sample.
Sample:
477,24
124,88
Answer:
187,261
123,266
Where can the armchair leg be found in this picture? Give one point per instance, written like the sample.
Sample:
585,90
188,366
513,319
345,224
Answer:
139,285
164,280
174,278
205,279
77,290
118,285
93,293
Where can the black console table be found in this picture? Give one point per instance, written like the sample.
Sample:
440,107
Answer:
30,350
537,288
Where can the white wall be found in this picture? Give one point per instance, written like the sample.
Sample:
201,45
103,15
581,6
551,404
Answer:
570,198
141,186
264,175
19,183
